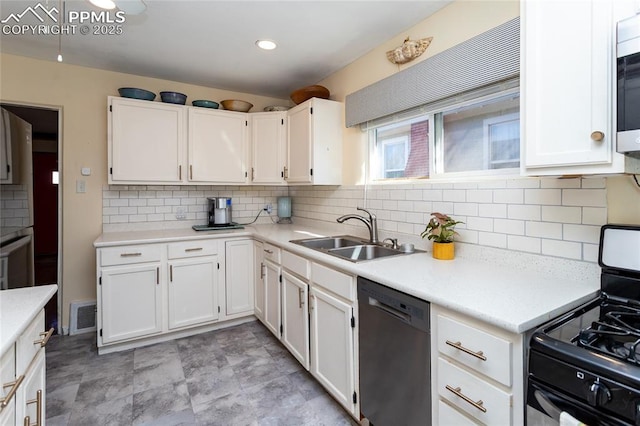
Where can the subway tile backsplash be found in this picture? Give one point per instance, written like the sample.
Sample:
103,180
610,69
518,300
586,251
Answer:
559,218
546,216
126,208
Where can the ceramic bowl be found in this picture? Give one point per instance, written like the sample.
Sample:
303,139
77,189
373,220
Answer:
173,98
276,108
134,93
205,104
236,105
309,92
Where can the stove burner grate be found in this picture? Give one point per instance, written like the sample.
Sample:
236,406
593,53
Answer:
617,333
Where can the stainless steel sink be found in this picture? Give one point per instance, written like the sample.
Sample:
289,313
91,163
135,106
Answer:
328,243
348,247
364,252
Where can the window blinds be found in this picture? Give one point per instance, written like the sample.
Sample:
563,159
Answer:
487,59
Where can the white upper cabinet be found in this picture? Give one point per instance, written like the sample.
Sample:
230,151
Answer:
268,146
314,143
146,142
567,70
217,146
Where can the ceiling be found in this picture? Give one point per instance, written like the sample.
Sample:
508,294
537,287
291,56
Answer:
211,43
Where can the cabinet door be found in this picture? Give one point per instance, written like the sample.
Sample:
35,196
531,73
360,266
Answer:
239,282
272,297
332,346
7,381
268,144
567,86
30,399
217,146
146,141
259,279
131,302
295,317
193,291
299,144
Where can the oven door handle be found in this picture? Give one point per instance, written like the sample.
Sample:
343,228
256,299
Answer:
8,249
550,409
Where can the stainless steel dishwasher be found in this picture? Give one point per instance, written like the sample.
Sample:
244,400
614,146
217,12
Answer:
395,378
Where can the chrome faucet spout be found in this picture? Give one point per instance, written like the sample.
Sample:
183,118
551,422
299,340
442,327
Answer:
371,222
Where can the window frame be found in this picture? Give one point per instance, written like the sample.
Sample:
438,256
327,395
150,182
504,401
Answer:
435,143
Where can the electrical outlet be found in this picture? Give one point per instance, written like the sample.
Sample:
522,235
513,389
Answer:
268,208
180,213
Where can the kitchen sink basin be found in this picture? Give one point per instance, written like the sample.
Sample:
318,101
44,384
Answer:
364,252
348,247
328,243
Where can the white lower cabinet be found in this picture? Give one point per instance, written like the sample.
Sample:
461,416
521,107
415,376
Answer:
23,375
477,371
131,298
333,361
239,276
193,291
295,317
153,292
258,277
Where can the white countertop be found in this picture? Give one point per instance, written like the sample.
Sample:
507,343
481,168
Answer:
516,299
18,307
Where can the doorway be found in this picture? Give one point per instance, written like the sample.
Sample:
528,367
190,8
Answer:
46,200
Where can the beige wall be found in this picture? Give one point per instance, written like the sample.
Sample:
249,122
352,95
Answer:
623,200
449,26
82,95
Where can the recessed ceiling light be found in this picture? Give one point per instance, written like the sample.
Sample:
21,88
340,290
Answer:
266,44
103,4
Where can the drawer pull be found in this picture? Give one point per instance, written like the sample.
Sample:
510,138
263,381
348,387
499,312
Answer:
193,249
38,402
47,335
130,254
458,345
14,388
458,392
268,251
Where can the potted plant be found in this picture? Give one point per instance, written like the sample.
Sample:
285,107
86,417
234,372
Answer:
441,230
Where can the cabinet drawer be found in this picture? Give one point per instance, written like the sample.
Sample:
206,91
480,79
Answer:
460,342
448,415
473,390
335,281
28,343
296,264
271,252
192,249
130,254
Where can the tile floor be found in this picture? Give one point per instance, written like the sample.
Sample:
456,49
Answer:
235,376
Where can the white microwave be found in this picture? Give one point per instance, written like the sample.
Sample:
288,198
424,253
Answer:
628,85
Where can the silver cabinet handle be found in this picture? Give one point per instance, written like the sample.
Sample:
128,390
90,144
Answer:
158,275
38,402
130,254
286,172
300,297
45,339
193,249
458,392
14,388
268,251
170,273
458,346
180,172
261,270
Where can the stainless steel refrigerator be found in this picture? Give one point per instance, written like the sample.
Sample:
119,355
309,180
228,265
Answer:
16,202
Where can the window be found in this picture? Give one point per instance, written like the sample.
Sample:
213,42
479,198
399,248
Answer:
474,137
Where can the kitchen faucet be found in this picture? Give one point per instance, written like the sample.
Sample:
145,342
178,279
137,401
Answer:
372,223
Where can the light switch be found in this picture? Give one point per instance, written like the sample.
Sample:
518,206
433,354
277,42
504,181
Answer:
81,186
86,171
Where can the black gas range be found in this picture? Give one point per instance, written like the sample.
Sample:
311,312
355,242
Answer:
585,365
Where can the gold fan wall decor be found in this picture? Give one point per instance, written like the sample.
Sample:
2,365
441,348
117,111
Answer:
408,51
